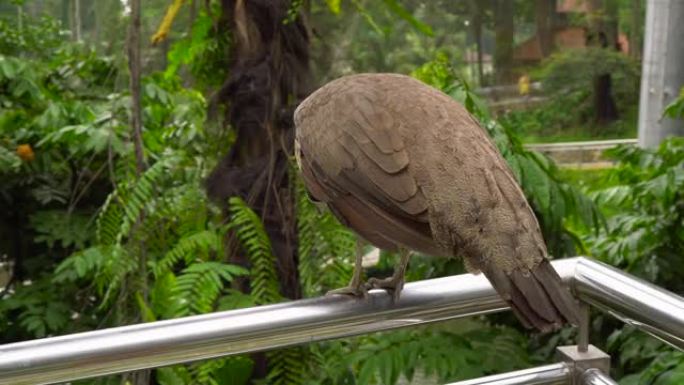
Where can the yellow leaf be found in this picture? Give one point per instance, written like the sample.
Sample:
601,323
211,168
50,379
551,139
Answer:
334,6
165,26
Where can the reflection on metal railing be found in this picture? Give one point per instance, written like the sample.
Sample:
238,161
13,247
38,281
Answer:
595,377
556,374
155,344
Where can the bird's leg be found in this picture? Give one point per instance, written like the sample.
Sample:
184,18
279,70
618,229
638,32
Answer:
395,283
356,287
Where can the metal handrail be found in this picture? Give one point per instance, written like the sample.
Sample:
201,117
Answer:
596,377
554,374
154,344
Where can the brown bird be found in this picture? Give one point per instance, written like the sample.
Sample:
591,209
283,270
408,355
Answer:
408,168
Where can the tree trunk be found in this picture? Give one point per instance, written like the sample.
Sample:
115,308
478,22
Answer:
134,67
76,19
141,377
66,13
477,11
635,44
544,11
20,18
269,76
602,33
504,31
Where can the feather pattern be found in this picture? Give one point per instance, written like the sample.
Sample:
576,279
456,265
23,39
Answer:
404,165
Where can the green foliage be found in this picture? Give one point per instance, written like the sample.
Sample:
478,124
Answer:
572,70
204,51
200,284
384,36
643,360
675,109
568,79
449,352
252,235
403,13
326,248
645,237
110,245
37,38
286,366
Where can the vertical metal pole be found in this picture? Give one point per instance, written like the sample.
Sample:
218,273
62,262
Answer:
662,73
583,332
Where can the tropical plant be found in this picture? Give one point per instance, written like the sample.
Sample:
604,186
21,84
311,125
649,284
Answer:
644,236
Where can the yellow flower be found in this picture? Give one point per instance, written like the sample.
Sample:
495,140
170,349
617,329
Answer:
25,152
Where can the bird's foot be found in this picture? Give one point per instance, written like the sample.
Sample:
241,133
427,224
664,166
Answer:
351,290
392,285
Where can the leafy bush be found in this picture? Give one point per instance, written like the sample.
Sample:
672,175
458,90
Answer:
644,236
568,81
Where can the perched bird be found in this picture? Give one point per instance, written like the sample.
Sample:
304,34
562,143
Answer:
408,168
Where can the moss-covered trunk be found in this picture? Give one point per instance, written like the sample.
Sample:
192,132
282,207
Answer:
268,77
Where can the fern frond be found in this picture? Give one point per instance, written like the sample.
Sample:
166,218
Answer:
79,265
117,265
326,248
255,241
108,221
189,248
287,367
200,285
142,194
204,372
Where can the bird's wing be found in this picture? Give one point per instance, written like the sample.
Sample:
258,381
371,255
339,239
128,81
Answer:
354,158
477,208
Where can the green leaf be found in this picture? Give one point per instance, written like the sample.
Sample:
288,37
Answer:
176,375
403,13
536,183
145,311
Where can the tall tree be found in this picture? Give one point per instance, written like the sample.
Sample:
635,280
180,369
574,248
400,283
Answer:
603,34
636,29
141,377
477,11
544,18
269,76
76,28
504,30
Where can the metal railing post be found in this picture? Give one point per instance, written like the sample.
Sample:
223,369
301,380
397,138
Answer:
655,311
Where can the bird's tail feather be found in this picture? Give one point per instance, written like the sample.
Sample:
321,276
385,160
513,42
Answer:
537,296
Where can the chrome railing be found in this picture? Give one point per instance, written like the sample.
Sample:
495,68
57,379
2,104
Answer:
58,359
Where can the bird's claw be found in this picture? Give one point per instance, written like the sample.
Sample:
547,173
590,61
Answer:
351,290
392,285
